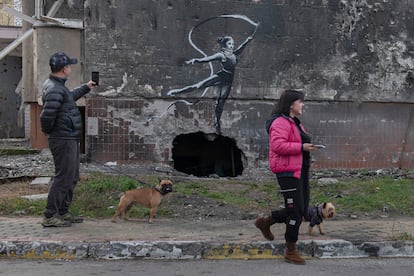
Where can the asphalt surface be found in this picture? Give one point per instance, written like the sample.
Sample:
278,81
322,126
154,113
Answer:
25,237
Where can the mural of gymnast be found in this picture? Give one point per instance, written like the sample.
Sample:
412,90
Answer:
222,79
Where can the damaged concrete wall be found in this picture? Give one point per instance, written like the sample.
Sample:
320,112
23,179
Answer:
353,58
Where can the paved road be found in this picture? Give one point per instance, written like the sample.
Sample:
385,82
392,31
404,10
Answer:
316,267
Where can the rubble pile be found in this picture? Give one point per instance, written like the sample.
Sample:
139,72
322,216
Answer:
40,163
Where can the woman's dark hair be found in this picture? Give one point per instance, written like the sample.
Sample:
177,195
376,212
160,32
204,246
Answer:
286,100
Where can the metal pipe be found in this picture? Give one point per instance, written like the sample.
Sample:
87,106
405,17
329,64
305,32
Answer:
54,8
15,43
38,8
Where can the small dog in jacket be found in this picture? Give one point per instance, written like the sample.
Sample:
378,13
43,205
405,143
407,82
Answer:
318,213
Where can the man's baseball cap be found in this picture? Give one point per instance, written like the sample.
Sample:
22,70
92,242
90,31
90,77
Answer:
59,60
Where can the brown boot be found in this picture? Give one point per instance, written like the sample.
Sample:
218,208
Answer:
292,254
264,225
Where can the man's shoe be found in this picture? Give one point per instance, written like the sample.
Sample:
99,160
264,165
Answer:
55,221
71,218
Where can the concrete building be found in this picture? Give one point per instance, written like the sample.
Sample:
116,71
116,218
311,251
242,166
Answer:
352,58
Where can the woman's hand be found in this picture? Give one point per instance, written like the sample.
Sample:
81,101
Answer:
308,147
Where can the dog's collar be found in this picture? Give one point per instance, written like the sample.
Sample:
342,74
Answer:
155,188
158,190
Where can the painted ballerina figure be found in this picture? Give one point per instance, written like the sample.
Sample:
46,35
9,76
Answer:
223,79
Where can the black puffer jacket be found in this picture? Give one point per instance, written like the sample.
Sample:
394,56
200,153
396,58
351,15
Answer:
60,117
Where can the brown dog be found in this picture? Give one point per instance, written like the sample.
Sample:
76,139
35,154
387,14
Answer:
318,213
147,197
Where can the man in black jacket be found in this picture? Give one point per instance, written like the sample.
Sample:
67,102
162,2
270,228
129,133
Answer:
61,120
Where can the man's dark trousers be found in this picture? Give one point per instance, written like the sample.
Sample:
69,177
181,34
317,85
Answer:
66,156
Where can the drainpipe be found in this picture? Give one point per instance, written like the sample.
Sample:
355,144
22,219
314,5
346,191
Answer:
407,133
38,8
233,169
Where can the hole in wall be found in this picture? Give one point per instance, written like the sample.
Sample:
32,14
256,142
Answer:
202,154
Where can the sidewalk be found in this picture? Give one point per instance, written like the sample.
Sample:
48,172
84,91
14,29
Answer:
203,239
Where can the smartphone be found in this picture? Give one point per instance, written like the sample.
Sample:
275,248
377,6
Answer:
95,77
319,146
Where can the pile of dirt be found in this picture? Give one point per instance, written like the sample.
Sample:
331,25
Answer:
197,207
20,188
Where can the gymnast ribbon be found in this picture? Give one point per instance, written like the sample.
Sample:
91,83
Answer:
190,40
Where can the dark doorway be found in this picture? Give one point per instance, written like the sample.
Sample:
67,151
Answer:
202,154
10,101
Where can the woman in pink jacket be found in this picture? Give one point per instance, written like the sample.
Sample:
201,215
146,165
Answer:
289,159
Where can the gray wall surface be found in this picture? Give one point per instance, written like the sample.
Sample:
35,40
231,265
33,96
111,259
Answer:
352,58
335,50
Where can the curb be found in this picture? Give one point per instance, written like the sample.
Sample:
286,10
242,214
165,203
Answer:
115,250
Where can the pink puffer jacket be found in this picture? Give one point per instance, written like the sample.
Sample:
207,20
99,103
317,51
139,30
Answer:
285,147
